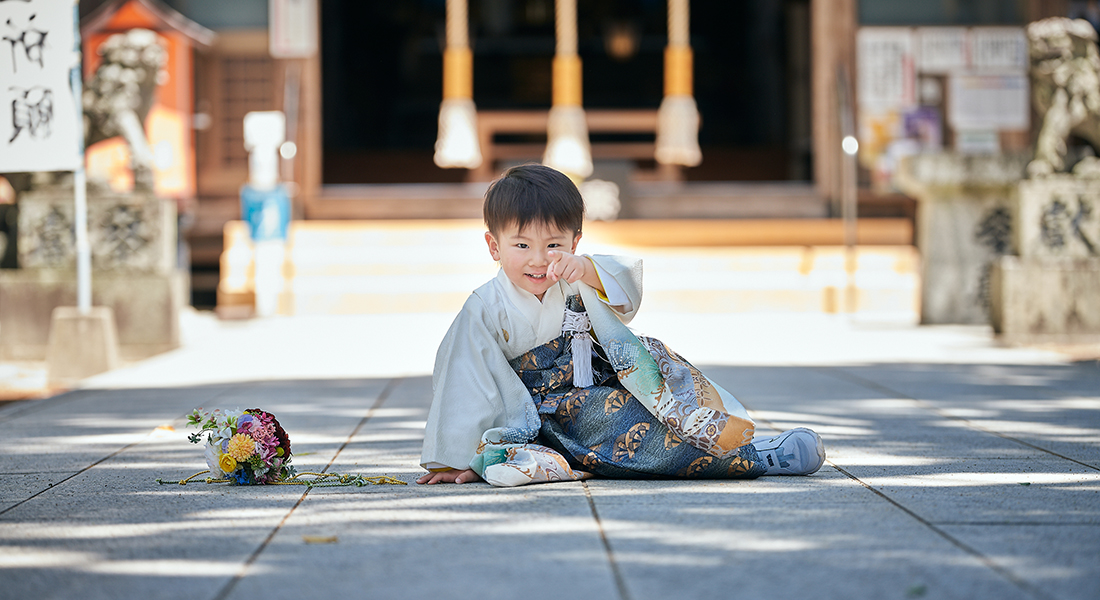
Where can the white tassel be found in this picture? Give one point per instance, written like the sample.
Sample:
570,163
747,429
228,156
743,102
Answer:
567,146
678,132
457,145
578,324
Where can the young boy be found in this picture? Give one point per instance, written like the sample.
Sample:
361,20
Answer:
542,352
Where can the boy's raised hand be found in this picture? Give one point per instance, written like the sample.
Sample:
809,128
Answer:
573,268
564,265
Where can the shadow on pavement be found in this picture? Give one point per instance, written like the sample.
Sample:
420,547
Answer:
964,481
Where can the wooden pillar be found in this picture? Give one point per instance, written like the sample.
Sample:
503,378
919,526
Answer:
833,37
309,132
310,144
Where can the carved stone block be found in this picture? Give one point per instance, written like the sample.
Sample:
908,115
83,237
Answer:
1059,216
133,233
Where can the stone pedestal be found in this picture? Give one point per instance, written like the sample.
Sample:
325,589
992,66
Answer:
134,272
146,309
81,345
964,221
1042,299
1051,291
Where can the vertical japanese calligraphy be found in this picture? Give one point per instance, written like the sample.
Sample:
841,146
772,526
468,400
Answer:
30,41
39,125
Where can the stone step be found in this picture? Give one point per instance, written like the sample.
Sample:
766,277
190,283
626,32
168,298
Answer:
353,267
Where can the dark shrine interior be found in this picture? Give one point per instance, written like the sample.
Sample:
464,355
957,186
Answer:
382,80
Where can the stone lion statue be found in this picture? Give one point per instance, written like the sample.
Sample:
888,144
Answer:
1065,88
120,94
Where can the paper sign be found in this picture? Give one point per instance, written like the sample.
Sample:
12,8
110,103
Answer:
39,128
999,48
293,28
989,102
977,142
885,67
942,49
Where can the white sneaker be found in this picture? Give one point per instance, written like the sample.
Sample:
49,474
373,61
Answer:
797,451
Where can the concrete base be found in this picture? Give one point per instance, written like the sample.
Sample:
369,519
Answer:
955,260
146,309
1045,299
81,345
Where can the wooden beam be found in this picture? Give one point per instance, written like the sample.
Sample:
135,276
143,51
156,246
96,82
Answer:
1042,9
749,232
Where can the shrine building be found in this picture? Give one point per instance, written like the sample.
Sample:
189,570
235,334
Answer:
776,82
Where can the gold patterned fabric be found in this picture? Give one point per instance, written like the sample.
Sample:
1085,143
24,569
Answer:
605,429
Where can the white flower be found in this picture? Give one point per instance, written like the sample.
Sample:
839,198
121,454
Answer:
212,455
224,433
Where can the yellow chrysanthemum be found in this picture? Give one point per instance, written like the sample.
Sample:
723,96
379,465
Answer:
241,447
227,463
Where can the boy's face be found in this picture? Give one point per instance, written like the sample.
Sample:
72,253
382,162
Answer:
524,255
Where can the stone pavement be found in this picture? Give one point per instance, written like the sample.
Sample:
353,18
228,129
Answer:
957,469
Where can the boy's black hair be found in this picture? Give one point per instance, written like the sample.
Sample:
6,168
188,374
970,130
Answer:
533,193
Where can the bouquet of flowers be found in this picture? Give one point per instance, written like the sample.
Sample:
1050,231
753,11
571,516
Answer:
248,447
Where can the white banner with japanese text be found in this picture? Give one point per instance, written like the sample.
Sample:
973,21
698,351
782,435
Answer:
39,124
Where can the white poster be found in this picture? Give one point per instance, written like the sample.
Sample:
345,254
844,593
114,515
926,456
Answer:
39,127
999,48
293,28
942,49
885,67
989,102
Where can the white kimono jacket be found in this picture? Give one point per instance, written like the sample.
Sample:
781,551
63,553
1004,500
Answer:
474,388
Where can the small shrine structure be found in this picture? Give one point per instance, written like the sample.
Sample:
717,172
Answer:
168,126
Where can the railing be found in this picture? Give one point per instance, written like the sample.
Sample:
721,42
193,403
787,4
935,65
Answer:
490,123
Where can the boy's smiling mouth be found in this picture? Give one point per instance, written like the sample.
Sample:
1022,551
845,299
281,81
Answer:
533,276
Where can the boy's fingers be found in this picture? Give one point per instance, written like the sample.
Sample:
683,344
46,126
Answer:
552,268
432,478
569,273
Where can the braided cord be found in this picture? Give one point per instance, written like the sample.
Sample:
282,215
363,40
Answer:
319,480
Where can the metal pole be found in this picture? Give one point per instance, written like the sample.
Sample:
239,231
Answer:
849,146
849,205
291,97
80,182
849,208
83,248
849,187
